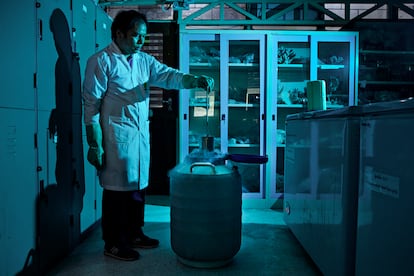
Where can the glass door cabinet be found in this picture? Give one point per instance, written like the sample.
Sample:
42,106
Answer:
233,113
260,78
294,59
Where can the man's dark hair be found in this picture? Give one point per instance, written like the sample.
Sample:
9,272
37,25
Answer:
125,20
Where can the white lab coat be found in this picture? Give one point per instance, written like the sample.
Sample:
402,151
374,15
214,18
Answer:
117,96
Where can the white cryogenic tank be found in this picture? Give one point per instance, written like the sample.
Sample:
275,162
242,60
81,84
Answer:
205,214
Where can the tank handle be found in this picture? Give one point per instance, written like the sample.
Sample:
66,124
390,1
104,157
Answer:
203,164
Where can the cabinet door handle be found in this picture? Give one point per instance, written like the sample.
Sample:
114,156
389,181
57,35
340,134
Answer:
273,117
185,117
40,29
223,117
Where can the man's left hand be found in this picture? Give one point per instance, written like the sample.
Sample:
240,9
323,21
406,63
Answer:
205,82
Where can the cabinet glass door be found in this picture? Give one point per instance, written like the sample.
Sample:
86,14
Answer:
292,64
203,107
243,127
335,64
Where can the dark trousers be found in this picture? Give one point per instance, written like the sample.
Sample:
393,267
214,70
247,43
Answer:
122,216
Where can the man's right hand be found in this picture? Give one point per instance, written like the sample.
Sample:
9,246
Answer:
96,157
95,152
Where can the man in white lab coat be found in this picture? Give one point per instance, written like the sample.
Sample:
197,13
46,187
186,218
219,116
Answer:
116,109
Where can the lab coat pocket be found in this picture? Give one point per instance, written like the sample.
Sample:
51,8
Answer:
122,130
122,148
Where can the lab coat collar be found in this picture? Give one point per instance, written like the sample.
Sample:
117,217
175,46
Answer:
117,52
115,49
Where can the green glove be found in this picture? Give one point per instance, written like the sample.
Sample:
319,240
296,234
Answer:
189,81
95,152
204,82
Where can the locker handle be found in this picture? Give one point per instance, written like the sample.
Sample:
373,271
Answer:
41,186
223,117
40,29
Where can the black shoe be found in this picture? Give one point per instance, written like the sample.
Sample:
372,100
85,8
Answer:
124,254
145,242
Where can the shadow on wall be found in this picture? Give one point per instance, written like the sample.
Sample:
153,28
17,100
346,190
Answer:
58,206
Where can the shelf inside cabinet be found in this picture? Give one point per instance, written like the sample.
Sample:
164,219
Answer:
243,105
290,106
204,64
243,65
243,145
301,106
330,66
298,65
198,105
385,52
363,83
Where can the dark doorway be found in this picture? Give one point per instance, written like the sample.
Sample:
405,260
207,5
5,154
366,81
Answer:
163,44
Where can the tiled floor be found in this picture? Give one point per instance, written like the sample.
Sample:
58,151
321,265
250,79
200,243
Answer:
267,248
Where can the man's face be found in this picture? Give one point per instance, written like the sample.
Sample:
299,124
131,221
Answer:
132,41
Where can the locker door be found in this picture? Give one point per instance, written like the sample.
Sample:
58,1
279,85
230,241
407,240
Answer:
47,52
18,190
58,232
83,20
103,29
103,38
17,56
47,61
